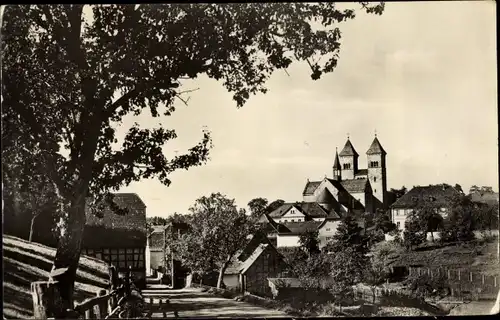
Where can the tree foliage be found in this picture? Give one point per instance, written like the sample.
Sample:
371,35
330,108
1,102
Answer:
309,242
415,231
382,221
258,207
275,205
459,223
348,250
485,216
217,231
349,235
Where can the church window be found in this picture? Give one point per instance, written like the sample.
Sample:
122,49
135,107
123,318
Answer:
347,166
398,224
375,190
374,179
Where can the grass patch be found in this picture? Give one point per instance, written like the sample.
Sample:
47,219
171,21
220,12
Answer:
474,256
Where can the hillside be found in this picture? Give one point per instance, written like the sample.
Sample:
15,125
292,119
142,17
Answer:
473,257
26,262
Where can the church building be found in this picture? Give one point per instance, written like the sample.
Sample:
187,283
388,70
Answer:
350,190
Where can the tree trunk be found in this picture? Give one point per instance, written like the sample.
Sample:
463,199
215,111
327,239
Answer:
68,254
30,237
221,272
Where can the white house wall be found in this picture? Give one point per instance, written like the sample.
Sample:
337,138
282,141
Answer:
399,216
292,215
288,241
328,230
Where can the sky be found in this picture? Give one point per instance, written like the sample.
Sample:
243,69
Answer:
422,75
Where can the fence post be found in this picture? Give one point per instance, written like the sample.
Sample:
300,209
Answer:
100,309
459,274
471,276
448,271
47,300
482,278
495,281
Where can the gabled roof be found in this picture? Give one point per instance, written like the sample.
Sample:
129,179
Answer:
156,240
246,257
376,148
309,209
134,219
348,150
280,211
297,228
440,195
310,187
361,172
325,197
354,185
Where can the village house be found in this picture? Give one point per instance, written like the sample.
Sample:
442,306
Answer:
253,265
350,191
159,260
119,238
440,196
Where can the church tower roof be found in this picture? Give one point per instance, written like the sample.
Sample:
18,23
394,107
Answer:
348,149
336,162
376,148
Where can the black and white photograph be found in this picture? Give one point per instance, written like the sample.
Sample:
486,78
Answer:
250,160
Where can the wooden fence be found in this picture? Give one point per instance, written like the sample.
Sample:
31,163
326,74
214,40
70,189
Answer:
463,283
47,300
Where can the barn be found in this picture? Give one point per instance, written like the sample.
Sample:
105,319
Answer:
119,239
252,266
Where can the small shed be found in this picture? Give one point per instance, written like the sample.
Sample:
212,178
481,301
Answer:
119,239
248,272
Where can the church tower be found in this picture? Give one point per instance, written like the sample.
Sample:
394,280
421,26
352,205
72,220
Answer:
348,161
377,174
337,170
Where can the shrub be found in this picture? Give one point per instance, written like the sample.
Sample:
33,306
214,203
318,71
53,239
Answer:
427,286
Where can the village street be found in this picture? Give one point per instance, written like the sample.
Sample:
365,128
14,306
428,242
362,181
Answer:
193,303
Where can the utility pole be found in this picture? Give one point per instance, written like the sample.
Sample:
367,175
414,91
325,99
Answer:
165,250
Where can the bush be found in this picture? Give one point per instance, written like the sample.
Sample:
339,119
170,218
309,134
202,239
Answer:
427,286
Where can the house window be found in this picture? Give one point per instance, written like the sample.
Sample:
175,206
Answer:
374,190
398,224
413,198
328,229
347,166
293,220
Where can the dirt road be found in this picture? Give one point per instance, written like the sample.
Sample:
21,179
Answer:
193,303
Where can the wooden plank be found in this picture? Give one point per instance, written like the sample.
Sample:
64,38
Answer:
45,299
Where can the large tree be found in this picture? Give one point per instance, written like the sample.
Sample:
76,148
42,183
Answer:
257,207
217,231
348,247
71,75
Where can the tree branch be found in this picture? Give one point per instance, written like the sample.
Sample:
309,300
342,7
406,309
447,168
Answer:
123,100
